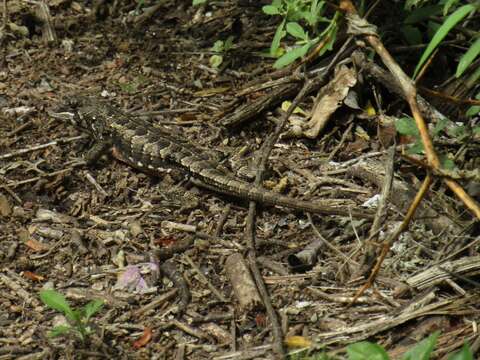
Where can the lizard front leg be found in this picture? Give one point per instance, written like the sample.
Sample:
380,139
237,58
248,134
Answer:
98,149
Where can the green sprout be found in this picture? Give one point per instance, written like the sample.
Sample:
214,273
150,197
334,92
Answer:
78,319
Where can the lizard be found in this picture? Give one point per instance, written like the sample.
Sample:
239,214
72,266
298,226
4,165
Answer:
150,149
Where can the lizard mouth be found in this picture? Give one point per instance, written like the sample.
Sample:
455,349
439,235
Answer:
63,115
67,110
68,117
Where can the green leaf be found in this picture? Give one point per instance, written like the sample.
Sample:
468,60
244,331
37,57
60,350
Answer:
218,46
447,163
333,38
198,2
409,4
60,330
464,354
316,7
468,57
91,308
215,61
365,350
423,349
412,34
78,315
128,87
56,301
473,111
406,126
311,19
432,28
314,13
296,30
476,130
140,4
416,148
228,43
440,125
458,131
421,14
271,10
279,34
448,4
449,23
291,56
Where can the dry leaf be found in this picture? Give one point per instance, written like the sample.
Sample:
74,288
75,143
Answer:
386,131
369,109
36,245
297,342
351,100
356,147
329,100
286,105
5,207
32,276
131,278
144,339
165,241
261,320
361,133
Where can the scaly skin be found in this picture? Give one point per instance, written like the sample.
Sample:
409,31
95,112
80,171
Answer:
152,149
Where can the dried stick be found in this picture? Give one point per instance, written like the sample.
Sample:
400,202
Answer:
14,184
5,15
325,241
42,12
41,146
382,207
449,98
170,271
148,13
243,284
250,227
205,280
222,221
3,35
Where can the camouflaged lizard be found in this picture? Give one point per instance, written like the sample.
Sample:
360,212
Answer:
152,149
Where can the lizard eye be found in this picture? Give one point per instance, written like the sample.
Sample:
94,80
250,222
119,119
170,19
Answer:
71,111
76,102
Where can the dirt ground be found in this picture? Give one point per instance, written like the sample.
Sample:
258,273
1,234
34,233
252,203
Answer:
82,230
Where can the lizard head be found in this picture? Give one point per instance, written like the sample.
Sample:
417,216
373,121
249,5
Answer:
82,112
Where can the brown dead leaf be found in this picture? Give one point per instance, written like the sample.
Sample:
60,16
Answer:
165,241
386,135
187,117
261,320
36,245
297,342
144,339
329,99
356,147
32,276
5,207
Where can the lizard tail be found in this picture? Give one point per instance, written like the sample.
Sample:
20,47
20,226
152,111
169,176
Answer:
246,191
